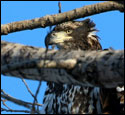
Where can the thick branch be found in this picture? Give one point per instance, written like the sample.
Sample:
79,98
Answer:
90,68
50,20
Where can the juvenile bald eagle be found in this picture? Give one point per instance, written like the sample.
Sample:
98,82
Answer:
74,35
70,99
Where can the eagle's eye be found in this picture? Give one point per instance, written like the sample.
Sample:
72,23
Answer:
69,31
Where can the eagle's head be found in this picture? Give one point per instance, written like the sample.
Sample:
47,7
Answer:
74,35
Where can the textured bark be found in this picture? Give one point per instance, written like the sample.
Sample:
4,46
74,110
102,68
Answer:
87,68
50,20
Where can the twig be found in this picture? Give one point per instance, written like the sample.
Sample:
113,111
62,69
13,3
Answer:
2,91
19,102
25,111
37,91
59,5
35,97
3,102
28,89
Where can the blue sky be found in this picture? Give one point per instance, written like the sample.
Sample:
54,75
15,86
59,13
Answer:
109,24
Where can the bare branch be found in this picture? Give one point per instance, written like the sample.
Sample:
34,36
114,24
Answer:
59,5
92,68
37,91
3,102
35,97
28,88
50,20
25,111
17,101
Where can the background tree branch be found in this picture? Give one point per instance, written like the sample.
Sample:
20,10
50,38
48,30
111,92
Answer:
18,101
50,20
92,68
24,111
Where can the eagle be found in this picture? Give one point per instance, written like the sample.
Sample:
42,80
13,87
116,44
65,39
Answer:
74,99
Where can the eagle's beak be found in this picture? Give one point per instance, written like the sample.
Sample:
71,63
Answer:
55,38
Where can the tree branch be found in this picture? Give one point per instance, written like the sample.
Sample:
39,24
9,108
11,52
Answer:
24,111
17,101
50,20
3,102
29,90
86,68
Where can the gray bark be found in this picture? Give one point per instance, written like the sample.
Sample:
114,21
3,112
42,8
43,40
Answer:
86,68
